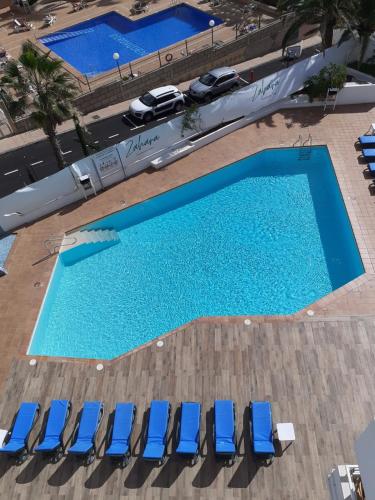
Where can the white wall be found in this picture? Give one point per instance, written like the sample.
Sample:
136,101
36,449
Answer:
370,52
104,168
39,199
356,94
364,448
136,153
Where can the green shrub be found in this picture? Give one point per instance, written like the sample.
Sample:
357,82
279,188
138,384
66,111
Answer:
191,119
331,76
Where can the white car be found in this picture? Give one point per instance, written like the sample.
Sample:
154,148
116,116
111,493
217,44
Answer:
157,101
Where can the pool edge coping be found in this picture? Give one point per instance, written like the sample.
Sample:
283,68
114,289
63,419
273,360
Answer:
316,306
304,313
108,73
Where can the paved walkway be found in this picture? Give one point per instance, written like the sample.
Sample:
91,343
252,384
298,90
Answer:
22,291
230,11
317,374
261,66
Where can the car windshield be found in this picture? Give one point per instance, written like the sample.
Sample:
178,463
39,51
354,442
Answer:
147,99
207,79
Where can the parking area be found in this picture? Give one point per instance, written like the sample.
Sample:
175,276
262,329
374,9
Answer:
28,157
25,165
189,99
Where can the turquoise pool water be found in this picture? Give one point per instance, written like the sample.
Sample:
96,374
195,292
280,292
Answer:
89,46
266,235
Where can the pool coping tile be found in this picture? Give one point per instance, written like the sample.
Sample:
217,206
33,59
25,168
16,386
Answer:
360,292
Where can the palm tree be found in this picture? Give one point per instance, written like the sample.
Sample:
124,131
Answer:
37,78
362,22
327,13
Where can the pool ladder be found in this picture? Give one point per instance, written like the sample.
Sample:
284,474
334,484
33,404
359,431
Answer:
55,242
298,142
304,147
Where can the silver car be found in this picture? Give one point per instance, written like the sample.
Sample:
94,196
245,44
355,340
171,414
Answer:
215,82
156,102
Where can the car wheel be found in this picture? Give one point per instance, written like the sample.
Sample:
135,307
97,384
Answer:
235,86
147,117
208,98
178,106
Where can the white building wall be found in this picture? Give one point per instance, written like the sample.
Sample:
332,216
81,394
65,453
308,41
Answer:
136,153
364,448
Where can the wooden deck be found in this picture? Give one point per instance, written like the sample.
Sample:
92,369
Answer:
318,374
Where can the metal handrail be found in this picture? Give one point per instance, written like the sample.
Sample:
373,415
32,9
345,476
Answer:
308,141
85,83
298,141
61,244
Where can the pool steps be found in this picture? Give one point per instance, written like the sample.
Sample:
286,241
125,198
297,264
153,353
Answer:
57,37
87,242
304,153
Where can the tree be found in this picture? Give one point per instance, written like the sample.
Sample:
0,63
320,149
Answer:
329,14
82,133
191,120
37,81
362,22
366,25
332,76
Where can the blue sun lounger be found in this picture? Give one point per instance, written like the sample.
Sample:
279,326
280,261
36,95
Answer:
369,154
17,440
84,439
189,431
225,440
119,449
157,431
261,427
371,167
367,141
58,416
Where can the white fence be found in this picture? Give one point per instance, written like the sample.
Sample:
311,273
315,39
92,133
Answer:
167,142
356,94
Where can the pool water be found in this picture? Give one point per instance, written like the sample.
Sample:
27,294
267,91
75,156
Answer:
89,46
266,235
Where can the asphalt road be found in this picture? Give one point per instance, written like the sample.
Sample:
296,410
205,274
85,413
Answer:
23,166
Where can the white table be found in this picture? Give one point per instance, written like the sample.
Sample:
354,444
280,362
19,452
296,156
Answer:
3,434
285,432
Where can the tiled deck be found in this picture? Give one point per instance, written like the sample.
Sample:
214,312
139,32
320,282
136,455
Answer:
317,374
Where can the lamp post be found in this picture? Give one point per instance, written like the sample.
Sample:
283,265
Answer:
131,70
211,25
116,57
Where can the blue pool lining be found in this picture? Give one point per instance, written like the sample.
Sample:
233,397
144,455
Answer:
41,309
94,74
216,186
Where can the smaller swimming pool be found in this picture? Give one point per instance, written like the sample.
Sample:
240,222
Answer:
89,46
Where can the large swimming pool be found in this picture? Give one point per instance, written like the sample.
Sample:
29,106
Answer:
266,235
89,46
